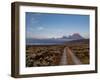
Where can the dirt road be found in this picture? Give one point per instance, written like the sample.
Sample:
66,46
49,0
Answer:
64,58
69,58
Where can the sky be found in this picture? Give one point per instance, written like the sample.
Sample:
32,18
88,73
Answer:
47,25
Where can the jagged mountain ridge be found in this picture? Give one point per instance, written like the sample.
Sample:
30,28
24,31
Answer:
73,36
61,40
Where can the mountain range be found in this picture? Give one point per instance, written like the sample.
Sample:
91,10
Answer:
62,40
73,36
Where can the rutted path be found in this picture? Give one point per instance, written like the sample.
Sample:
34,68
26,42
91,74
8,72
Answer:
63,58
68,57
72,59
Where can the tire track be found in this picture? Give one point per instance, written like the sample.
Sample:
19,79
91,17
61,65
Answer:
73,58
64,58
69,58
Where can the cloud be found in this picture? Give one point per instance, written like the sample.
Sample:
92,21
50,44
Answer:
34,21
40,28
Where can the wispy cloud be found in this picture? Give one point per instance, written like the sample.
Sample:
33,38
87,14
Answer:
40,28
34,21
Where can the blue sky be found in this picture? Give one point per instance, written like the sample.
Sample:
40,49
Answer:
44,25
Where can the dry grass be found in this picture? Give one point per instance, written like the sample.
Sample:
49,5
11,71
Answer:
82,52
43,55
